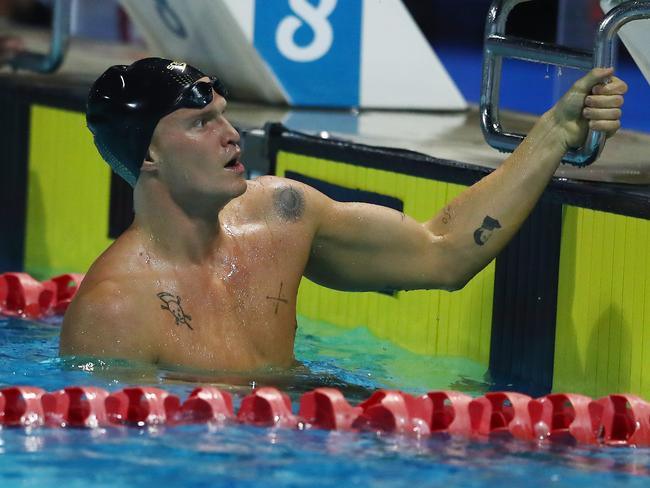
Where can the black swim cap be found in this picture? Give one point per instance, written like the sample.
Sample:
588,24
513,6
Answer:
126,103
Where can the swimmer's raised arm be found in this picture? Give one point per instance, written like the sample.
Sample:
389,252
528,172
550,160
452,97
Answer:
365,247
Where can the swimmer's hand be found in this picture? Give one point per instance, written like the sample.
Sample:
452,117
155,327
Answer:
592,102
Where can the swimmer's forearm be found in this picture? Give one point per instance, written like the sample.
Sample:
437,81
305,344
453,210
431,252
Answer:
481,221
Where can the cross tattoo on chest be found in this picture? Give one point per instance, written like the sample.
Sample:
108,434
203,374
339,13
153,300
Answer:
278,299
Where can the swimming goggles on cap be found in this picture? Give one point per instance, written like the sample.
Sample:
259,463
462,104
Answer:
199,93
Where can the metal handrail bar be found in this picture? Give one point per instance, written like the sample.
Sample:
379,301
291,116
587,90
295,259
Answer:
498,46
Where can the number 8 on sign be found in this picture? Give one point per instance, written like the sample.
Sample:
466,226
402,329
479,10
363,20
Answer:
317,20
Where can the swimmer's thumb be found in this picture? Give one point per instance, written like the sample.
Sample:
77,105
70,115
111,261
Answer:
595,76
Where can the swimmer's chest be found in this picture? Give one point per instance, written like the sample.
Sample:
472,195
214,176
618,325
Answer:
242,306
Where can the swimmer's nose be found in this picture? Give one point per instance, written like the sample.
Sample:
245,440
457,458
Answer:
232,136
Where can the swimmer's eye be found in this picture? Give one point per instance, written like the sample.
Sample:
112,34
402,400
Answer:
202,121
199,123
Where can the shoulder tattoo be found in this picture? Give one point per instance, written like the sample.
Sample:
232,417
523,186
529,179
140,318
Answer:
173,304
289,203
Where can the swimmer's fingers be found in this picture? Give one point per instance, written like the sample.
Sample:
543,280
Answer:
601,113
609,127
593,102
607,120
603,107
604,101
615,86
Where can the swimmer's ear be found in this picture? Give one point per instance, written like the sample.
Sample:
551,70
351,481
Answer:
150,162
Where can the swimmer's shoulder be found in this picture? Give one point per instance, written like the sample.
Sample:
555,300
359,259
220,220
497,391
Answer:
267,185
106,317
282,199
124,261
111,286
260,189
104,320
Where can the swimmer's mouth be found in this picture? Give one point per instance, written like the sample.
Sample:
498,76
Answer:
235,159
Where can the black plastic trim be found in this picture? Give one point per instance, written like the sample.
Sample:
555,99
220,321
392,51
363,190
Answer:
630,200
344,194
14,154
524,306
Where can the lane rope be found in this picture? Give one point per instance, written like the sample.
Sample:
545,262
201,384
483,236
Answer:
613,420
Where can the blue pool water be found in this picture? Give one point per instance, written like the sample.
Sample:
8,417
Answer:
234,455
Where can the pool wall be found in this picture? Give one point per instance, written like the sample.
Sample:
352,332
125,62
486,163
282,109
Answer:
563,307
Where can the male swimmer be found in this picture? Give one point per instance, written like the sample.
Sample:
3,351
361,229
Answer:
207,274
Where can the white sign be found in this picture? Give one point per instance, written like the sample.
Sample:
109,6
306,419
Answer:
324,53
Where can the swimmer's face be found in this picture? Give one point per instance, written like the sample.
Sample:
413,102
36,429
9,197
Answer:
195,152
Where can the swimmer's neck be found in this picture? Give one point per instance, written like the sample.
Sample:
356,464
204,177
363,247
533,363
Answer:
181,231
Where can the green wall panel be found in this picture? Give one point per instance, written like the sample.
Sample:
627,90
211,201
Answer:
602,338
67,197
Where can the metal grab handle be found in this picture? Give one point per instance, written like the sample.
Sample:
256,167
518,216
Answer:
498,46
47,63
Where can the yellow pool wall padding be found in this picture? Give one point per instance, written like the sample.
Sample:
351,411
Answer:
426,322
64,234
602,341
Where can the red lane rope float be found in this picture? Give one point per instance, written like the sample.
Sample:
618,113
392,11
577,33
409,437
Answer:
394,411
23,296
267,407
207,404
613,420
327,408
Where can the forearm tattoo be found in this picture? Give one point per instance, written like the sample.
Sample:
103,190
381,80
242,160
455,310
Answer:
173,304
289,202
446,215
484,232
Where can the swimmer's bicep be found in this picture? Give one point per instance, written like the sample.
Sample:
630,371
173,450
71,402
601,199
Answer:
102,324
362,246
